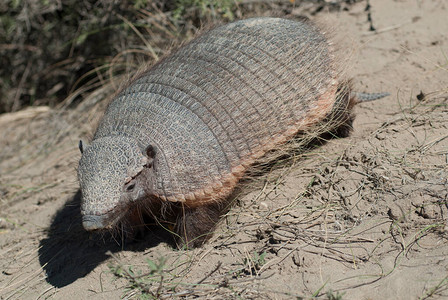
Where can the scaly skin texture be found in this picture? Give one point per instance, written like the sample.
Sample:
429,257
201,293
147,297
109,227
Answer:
175,142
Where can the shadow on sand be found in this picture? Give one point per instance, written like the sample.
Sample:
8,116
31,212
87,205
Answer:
69,252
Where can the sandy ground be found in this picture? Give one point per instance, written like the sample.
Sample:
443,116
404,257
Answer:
359,218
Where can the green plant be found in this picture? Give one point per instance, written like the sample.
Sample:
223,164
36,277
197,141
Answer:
149,284
253,264
207,8
332,296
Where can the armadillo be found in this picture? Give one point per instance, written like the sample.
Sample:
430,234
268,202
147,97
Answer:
177,140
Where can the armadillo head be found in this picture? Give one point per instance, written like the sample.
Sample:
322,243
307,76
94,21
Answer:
110,176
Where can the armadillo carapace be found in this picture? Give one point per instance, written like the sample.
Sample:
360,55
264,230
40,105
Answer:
175,142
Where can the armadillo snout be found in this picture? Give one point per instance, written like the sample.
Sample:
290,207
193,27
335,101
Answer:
103,171
92,222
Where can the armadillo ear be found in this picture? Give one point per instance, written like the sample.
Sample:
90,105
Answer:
150,151
81,146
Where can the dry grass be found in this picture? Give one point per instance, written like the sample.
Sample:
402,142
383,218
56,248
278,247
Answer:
99,40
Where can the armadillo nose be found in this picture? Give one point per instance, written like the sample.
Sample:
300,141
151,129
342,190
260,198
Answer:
92,222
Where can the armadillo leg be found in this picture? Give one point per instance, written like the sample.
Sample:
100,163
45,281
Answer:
195,226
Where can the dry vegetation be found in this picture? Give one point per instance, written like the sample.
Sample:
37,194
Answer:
50,50
359,218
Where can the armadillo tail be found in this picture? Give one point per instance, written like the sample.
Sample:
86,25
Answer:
365,97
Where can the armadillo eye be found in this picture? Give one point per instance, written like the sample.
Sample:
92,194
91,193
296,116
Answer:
130,187
150,151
